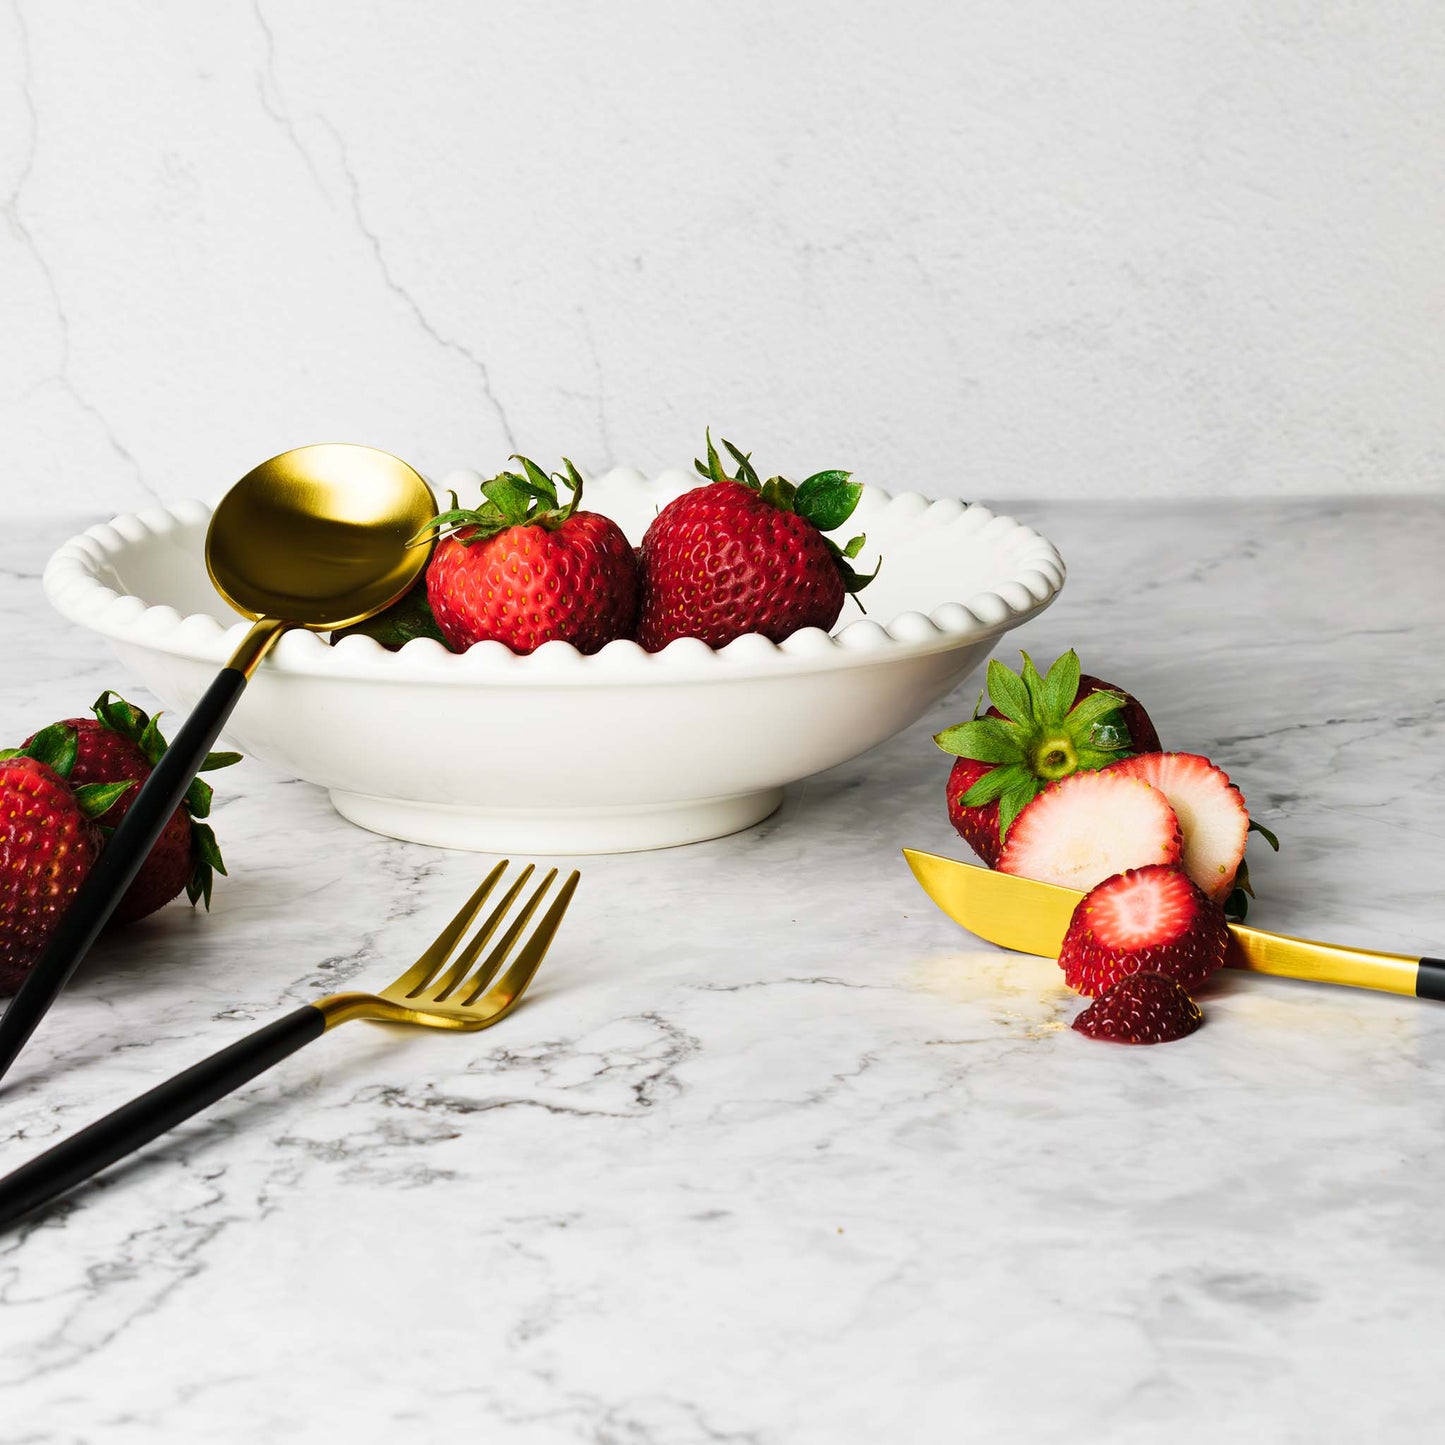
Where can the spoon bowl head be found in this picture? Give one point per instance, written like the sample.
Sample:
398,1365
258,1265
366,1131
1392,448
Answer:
318,536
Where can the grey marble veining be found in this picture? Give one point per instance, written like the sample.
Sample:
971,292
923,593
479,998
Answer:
775,1153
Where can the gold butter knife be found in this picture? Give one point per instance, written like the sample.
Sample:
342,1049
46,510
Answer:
1029,917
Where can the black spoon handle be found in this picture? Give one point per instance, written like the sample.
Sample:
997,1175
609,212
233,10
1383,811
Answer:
119,862
120,1133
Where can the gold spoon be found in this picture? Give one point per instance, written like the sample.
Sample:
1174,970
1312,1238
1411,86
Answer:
317,538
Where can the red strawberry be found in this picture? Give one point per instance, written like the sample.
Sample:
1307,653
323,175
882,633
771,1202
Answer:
741,555
1145,1008
523,569
977,826
122,743
1090,826
1145,920
1211,814
1038,730
48,843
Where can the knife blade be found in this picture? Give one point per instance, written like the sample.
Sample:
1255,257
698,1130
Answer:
1030,917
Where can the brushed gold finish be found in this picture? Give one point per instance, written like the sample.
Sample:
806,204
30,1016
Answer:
1030,917
468,995
317,537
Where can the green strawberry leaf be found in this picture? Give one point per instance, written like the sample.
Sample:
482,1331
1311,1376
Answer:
97,799
1096,708
543,488
509,495
779,492
992,785
1263,833
827,499
746,473
198,798
206,846
1111,735
219,760
714,468
56,747
150,742
1091,759
854,545
119,715
208,864
1061,686
7,753
988,740
1009,693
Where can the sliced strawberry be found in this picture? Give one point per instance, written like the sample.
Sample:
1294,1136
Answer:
1145,1008
1090,826
1146,920
1211,814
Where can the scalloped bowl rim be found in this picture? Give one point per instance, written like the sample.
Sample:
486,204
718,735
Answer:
74,589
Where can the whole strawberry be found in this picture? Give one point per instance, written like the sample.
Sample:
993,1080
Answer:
123,743
524,569
742,555
48,843
1038,730
1145,1008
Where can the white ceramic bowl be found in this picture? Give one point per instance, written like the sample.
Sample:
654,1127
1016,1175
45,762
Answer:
557,752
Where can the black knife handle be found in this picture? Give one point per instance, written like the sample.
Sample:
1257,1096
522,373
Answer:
119,862
99,1145
1430,981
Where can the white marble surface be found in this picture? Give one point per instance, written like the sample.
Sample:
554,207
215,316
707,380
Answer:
1123,248
775,1154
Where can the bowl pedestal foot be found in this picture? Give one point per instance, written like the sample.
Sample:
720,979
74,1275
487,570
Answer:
568,831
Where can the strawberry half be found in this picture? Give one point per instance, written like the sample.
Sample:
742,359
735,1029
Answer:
1039,730
742,555
1090,826
122,743
1211,812
1145,1008
1144,920
524,568
48,843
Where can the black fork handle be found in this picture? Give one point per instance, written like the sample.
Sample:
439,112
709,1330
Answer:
119,862
99,1145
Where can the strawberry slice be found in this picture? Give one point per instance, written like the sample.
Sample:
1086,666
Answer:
1145,1008
1210,809
1090,826
1145,920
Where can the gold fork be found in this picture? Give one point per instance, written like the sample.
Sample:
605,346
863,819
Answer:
468,996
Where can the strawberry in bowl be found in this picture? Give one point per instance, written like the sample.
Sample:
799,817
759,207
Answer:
525,568
689,741
741,555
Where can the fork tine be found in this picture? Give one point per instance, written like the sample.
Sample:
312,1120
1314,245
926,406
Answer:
468,956
425,968
515,982
498,955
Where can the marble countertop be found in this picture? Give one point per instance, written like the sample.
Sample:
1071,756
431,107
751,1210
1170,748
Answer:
776,1153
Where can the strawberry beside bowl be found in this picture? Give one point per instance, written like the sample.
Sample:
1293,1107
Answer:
558,752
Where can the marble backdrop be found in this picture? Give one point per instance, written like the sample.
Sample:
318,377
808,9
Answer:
981,249
775,1154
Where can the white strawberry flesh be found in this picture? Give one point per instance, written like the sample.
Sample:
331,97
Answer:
1090,826
1211,812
